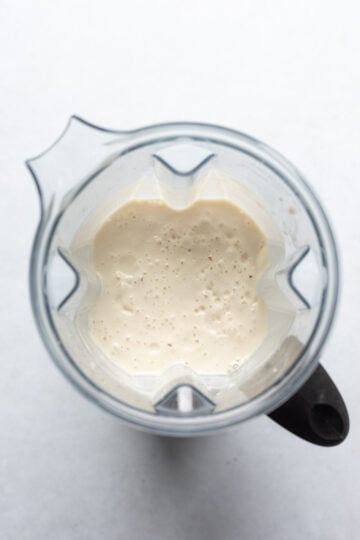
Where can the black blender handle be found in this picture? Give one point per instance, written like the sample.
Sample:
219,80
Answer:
316,413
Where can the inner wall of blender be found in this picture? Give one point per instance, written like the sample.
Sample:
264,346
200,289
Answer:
179,175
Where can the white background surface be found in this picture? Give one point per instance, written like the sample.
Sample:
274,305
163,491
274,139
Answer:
285,72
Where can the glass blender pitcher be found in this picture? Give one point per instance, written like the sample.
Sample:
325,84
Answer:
82,178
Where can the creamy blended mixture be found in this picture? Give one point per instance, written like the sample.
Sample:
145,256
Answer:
179,286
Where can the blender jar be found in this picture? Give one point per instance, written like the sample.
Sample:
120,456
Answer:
87,174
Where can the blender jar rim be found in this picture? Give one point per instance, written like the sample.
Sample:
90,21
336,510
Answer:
306,361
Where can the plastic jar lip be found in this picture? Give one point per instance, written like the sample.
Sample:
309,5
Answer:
299,371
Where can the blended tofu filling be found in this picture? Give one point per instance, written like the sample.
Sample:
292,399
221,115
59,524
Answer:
179,286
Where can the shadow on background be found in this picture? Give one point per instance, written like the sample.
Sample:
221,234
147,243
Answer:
210,487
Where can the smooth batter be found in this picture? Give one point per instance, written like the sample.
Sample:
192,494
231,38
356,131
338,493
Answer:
179,286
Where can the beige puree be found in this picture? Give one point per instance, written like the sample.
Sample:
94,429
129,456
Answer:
179,286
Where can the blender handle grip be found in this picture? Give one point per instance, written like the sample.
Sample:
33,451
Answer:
316,413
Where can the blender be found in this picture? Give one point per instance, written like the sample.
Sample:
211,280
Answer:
84,177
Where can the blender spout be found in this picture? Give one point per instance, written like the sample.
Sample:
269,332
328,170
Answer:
81,151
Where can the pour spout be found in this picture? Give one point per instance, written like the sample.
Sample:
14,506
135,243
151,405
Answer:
80,152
